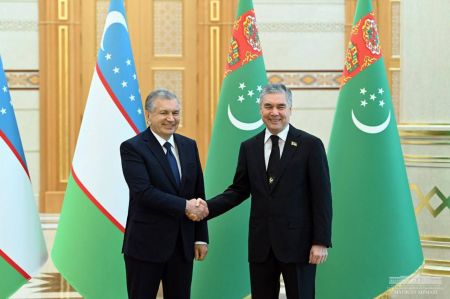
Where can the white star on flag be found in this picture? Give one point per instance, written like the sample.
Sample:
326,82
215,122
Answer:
381,103
380,91
242,85
250,93
373,97
240,99
134,76
108,56
4,89
259,88
257,100
124,84
128,62
139,111
116,70
131,98
362,91
363,103
3,111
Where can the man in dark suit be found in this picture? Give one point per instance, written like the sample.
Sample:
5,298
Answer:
285,170
162,170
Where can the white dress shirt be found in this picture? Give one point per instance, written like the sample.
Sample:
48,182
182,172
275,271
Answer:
268,143
162,141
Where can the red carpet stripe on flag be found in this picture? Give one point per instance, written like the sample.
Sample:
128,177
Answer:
14,265
115,100
96,203
13,149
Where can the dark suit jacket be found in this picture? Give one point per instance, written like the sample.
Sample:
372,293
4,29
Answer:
156,214
295,212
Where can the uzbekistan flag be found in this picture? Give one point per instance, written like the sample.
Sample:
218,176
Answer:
22,246
87,249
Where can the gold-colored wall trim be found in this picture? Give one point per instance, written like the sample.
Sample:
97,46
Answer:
423,134
442,239
214,58
420,142
63,10
214,10
437,242
442,263
436,268
424,200
432,272
22,79
423,124
427,158
63,101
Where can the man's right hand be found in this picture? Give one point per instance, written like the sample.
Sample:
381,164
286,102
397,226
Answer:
196,209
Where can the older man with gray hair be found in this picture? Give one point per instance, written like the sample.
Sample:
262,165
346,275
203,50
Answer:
164,175
285,171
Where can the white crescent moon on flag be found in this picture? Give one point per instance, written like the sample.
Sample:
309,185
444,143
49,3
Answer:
113,17
242,125
371,129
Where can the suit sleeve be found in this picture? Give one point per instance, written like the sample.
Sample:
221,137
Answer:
141,187
201,227
236,193
319,180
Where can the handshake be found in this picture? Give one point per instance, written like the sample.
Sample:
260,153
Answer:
196,209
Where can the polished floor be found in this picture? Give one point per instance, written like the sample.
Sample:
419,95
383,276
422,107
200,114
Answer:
50,284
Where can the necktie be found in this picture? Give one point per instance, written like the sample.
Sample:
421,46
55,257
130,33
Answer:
274,158
172,162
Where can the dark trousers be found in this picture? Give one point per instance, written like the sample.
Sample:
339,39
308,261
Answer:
299,279
143,278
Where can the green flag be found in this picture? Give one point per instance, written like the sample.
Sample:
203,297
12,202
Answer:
375,238
224,273
88,243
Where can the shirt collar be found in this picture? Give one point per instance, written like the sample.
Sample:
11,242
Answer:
282,134
162,141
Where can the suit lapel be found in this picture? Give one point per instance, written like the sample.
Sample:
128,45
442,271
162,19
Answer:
158,152
291,146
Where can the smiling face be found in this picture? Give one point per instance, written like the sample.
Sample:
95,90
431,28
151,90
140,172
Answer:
164,117
275,112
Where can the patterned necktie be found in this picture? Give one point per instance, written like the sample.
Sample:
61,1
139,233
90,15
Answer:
172,162
273,159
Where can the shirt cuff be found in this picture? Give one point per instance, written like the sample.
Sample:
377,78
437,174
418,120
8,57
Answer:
201,243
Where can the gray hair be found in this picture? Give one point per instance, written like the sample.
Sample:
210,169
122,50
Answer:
161,93
277,88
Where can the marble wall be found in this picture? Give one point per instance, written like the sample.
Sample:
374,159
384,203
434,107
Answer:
19,48
303,46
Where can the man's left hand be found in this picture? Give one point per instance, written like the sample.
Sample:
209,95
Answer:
201,250
318,254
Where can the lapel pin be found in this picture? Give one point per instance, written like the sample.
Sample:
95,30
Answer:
270,180
293,143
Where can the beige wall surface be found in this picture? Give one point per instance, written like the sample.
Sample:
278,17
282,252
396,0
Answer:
20,54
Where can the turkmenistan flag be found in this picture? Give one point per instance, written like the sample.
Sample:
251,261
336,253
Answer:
224,273
87,249
22,246
375,238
